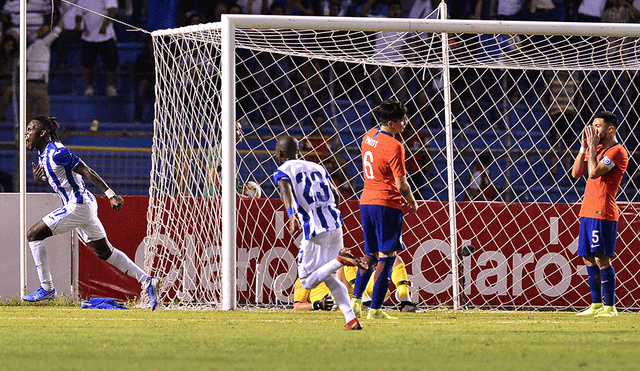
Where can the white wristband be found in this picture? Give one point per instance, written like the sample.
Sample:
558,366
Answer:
582,150
109,193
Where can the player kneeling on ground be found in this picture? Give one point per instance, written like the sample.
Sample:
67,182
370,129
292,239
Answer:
309,197
319,298
64,171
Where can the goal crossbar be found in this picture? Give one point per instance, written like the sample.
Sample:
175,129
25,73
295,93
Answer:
232,33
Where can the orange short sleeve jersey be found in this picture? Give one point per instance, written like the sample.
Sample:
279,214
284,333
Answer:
382,162
600,194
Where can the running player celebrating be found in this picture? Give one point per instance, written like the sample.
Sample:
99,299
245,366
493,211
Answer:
63,171
605,160
308,194
385,191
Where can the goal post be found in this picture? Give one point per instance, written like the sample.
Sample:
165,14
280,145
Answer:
475,90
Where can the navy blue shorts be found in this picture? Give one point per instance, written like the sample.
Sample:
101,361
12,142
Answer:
597,236
107,50
382,228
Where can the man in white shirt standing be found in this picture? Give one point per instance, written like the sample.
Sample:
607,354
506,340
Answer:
98,38
38,62
38,15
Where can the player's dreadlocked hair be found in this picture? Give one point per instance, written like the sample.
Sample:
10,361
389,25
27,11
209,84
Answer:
50,124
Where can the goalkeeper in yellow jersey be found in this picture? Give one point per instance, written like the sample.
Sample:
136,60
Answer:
319,298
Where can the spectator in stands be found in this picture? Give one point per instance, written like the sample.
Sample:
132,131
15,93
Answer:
563,104
508,10
613,88
257,6
547,10
319,144
480,184
144,76
389,81
234,8
8,63
211,10
423,9
196,18
273,80
591,10
371,8
69,35
38,62
339,179
334,9
418,161
6,182
303,7
38,15
164,14
220,9
98,38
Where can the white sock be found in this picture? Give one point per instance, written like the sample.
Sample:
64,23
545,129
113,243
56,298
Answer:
341,295
121,261
39,252
320,274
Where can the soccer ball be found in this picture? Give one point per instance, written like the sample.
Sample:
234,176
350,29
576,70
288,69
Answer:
252,189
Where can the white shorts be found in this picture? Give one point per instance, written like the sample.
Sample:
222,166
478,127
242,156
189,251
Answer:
81,217
318,251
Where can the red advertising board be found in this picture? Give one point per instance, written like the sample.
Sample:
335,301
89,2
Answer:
525,254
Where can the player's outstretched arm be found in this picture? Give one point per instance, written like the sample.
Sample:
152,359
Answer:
87,172
325,303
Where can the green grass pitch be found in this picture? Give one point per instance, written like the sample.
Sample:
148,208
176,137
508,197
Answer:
65,337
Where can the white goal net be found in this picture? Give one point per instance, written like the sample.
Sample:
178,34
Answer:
511,97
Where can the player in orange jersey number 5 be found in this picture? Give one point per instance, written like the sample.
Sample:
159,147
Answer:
605,161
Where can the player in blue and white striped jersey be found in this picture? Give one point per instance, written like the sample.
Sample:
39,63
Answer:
309,195
64,171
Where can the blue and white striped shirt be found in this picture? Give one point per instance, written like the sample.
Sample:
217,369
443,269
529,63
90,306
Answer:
313,198
58,163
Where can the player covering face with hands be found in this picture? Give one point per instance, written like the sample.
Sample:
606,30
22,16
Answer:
604,160
64,171
310,198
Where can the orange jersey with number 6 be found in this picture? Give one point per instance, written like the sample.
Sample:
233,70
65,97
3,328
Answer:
382,162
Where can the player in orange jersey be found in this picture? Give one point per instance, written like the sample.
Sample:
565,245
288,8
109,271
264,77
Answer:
386,191
605,161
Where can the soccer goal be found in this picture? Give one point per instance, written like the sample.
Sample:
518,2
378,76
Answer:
510,97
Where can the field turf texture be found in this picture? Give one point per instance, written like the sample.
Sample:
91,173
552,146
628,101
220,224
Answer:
52,336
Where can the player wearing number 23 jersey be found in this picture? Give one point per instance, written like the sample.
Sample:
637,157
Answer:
314,201
308,193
